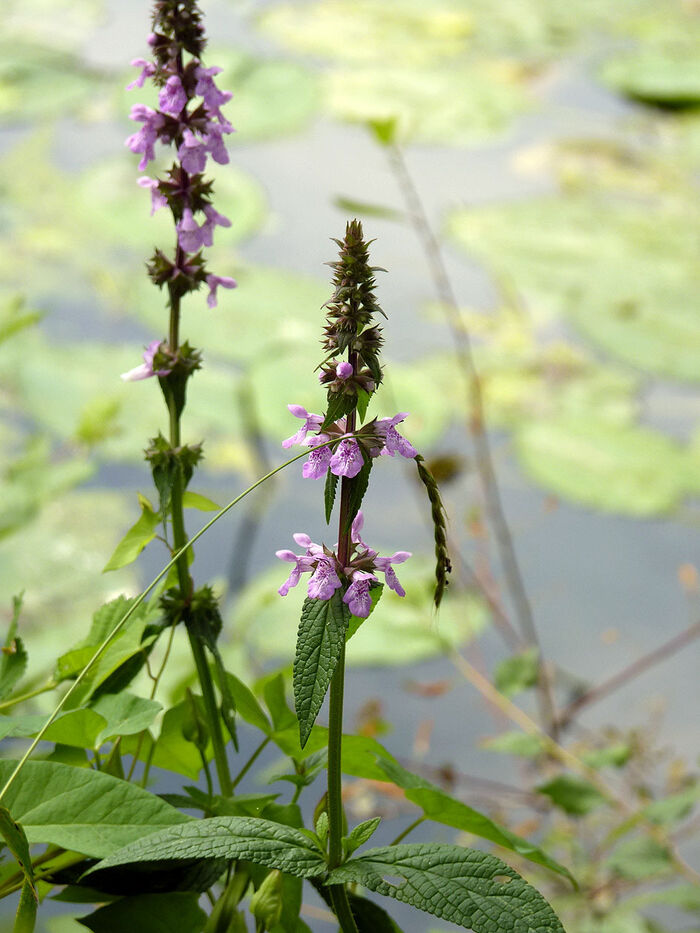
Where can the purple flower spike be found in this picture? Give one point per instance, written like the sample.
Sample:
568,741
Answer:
325,580
214,141
394,443
357,597
216,281
158,200
343,370
319,459
214,219
302,565
189,234
145,370
148,69
192,153
384,564
311,423
172,98
347,459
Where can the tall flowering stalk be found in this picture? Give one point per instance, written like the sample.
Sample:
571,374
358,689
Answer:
343,581
189,119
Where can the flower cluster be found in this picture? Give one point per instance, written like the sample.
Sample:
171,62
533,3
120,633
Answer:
346,457
328,575
189,117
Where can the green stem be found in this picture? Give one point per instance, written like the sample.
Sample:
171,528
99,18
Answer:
185,581
409,829
338,892
14,701
135,605
248,765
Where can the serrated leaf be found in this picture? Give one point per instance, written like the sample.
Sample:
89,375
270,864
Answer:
82,810
223,837
363,400
464,886
329,491
517,673
149,913
135,540
572,794
439,806
320,640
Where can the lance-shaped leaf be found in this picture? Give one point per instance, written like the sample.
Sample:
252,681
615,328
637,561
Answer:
440,807
320,640
82,810
16,841
222,837
464,886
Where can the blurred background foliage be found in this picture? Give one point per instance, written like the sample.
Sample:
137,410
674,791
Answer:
556,147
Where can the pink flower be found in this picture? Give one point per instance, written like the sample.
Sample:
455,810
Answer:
325,580
145,370
343,370
311,423
213,219
148,69
172,98
145,139
158,200
214,99
214,281
393,442
301,565
192,153
357,597
319,459
347,459
384,564
189,235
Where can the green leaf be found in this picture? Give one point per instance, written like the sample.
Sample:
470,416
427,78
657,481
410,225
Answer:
173,752
363,400
463,886
439,806
13,834
125,714
246,704
320,640
664,77
329,491
223,837
276,700
615,756
82,810
79,728
193,500
360,834
339,405
149,913
640,858
515,743
517,673
13,659
675,807
572,794
135,540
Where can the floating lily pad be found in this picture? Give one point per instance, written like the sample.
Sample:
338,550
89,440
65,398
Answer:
37,82
454,105
667,78
57,561
364,31
625,271
401,631
629,470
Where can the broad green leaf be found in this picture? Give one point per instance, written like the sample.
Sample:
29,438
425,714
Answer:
173,752
517,673
16,841
320,640
247,705
125,714
463,886
149,913
572,794
615,756
135,540
664,77
675,807
13,657
82,810
273,689
79,728
439,806
230,837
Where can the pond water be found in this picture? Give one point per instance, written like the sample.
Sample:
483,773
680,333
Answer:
604,588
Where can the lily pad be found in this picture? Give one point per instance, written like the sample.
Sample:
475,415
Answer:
629,470
625,273
455,105
401,631
668,78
